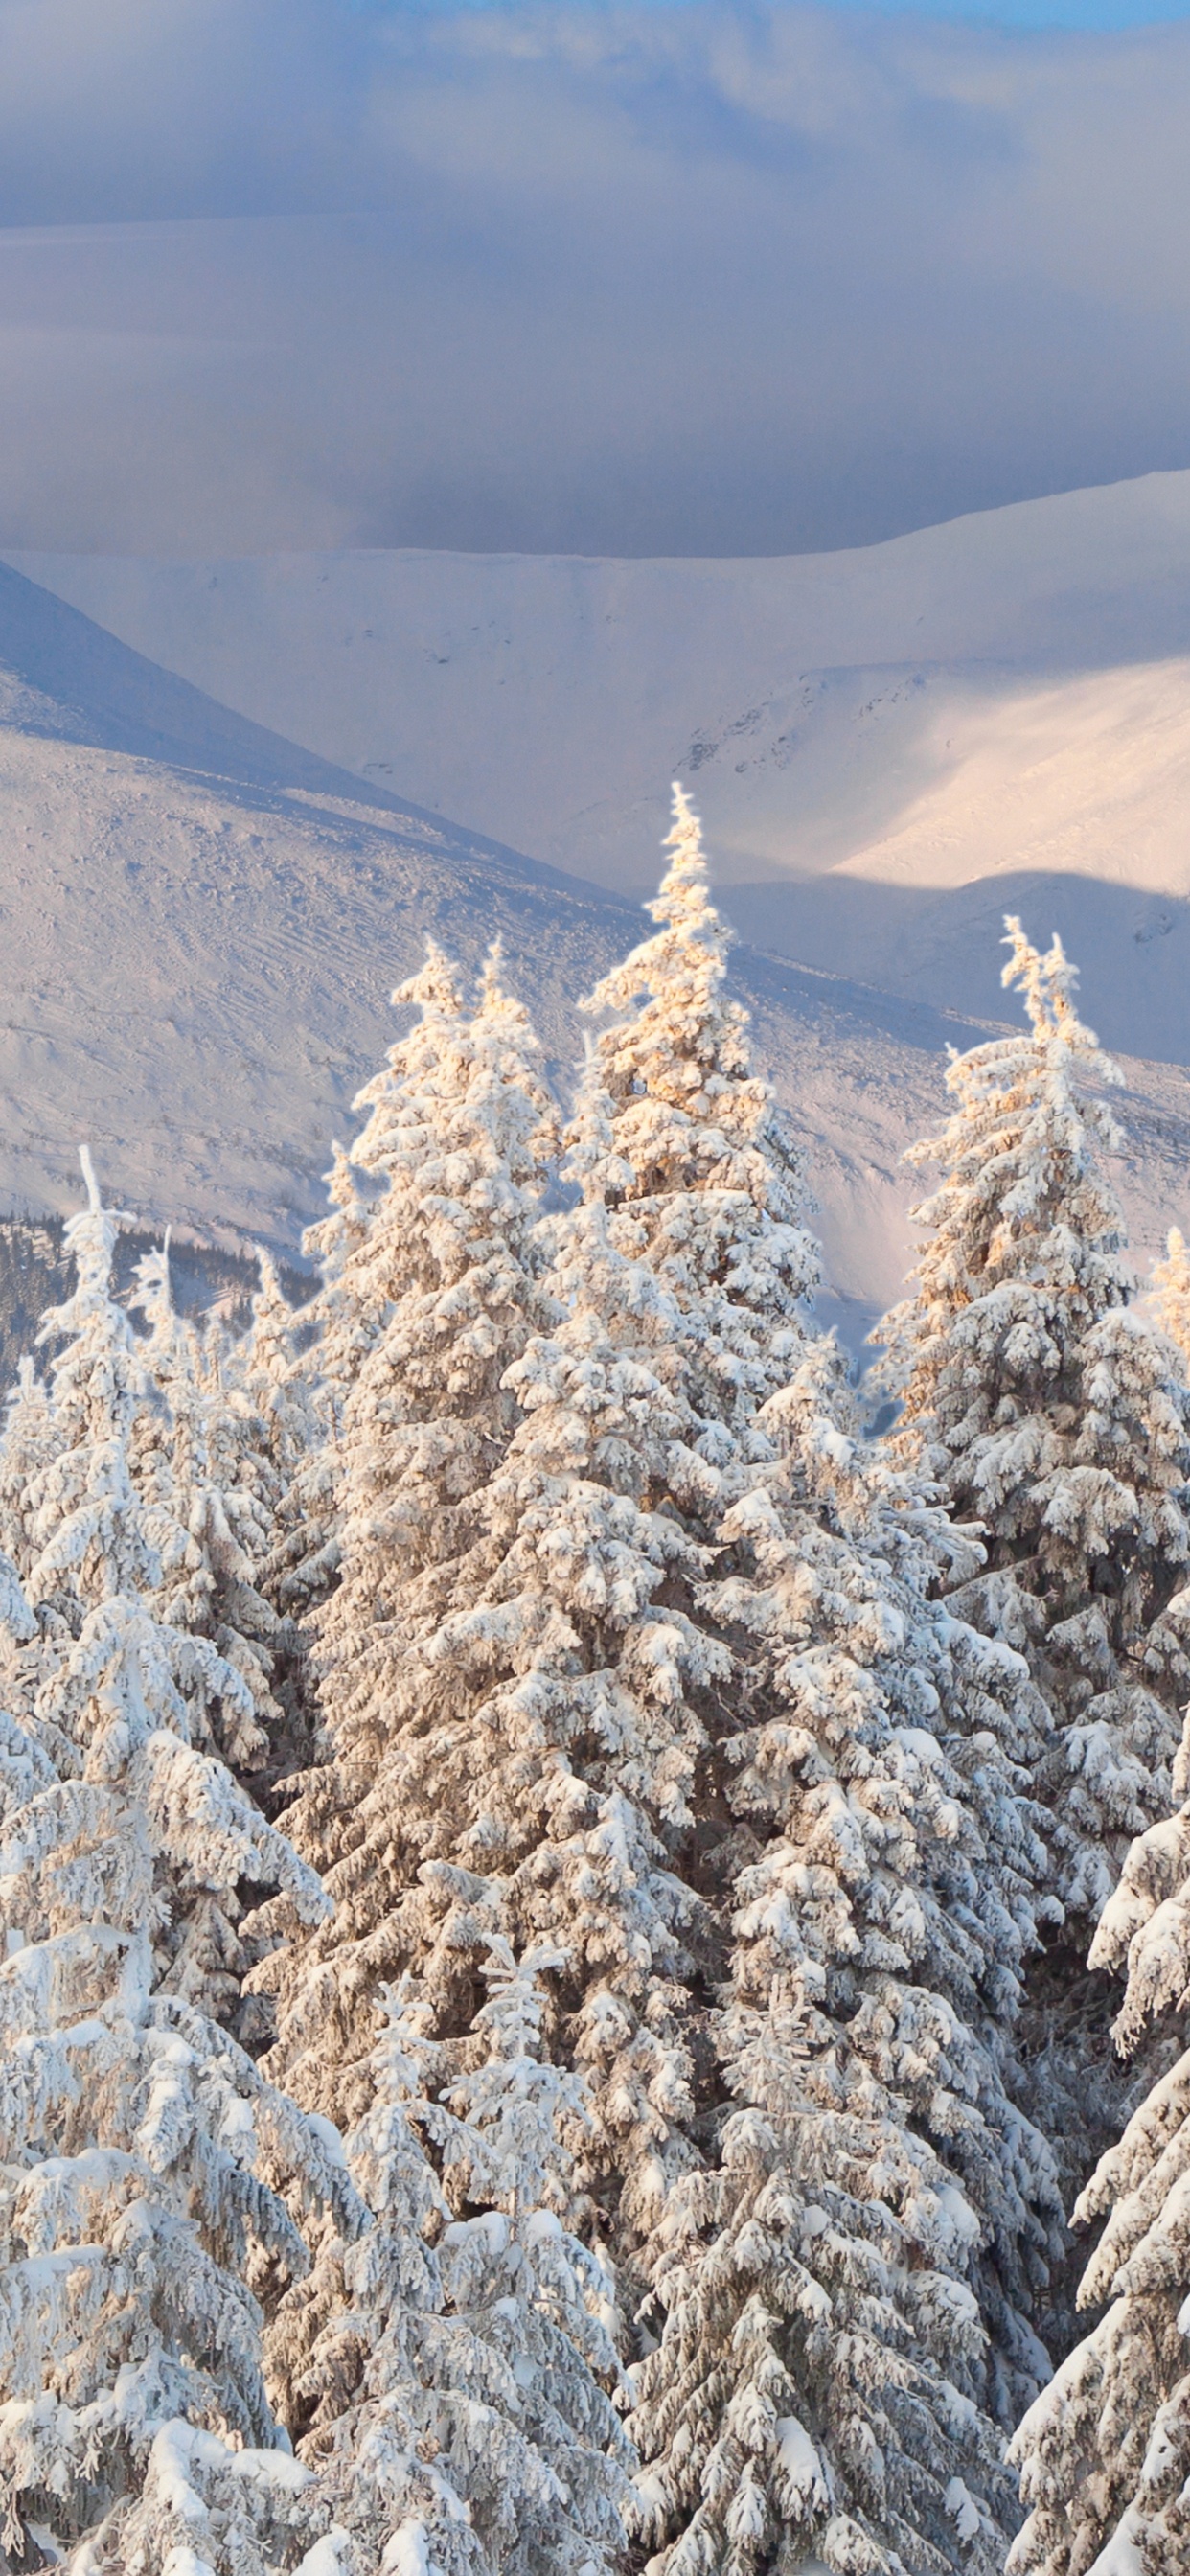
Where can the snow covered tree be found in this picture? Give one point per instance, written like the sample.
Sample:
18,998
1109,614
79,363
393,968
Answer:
1056,1418
692,1158
346,2348
461,1093
447,1287
29,1442
99,1527
1171,1282
527,1769
444,1281
686,1153
1104,2453
427,1292
271,1372
335,1243
196,1461
529,2305
488,2367
158,2193
847,2287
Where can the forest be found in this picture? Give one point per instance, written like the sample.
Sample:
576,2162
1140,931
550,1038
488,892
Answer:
596,1908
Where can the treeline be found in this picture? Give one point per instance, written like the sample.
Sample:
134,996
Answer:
577,1925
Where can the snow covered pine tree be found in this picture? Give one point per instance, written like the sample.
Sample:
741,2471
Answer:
1171,1284
1052,1414
272,1372
198,1460
483,2357
848,2291
863,2040
446,1279
157,2193
434,1299
694,1163
515,1726
1104,2453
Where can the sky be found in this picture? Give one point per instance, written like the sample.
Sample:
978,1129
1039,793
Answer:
673,278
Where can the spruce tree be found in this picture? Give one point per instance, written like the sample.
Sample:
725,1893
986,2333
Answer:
443,1285
272,1443
527,1770
1171,1283
271,1374
196,1460
847,2288
694,1162
29,1442
829,1604
1053,1416
399,1228
480,2375
1104,2454
159,2193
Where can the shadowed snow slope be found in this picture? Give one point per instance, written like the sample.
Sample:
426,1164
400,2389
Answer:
200,928
888,746
200,925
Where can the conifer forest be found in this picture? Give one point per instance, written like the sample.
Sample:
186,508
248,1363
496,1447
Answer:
596,1909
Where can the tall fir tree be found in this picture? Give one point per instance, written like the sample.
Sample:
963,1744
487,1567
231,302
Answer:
527,1768
158,2191
1104,2454
693,1160
444,1286
377,1246
829,1606
270,1372
29,1442
197,1460
1170,1280
1055,1417
847,2290
456,2393
505,2376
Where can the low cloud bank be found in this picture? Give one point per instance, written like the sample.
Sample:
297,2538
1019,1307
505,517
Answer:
608,280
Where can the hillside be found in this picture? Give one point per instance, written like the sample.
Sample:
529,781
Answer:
202,924
201,927
888,745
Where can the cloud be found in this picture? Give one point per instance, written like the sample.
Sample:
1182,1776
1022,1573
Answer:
597,279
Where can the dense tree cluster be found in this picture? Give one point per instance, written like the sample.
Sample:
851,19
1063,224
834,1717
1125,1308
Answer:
562,1898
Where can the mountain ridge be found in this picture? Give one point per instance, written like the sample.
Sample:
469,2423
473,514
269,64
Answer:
876,738
196,955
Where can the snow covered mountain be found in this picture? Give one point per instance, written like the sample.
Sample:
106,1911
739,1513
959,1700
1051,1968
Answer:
201,926
889,746
202,923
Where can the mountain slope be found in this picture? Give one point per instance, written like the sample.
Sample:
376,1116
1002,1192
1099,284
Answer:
196,953
200,927
887,745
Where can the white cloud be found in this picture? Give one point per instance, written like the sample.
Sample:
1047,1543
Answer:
297,272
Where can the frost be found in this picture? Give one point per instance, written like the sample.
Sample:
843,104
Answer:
798,2463
331,2556
406,2554
150,2166
963,2510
